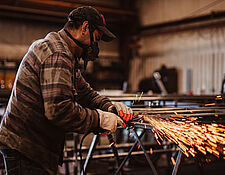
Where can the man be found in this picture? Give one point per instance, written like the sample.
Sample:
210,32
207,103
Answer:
50,97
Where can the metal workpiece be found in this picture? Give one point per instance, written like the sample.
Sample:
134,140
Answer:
198,130
169,97
166,100
173,125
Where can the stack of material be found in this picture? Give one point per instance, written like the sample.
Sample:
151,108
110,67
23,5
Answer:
193,130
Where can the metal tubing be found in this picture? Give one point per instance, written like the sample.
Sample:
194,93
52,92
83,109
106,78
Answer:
128,155
146,155
178,160
114,149
89,155
76,171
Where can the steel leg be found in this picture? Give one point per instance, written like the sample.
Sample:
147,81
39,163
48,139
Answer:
128,155
89,155
178,160
114,149
76,171
92,148
146,155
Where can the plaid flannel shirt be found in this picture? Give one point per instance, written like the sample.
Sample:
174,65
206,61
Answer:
50,97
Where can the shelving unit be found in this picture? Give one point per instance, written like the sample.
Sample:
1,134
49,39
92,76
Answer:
8,70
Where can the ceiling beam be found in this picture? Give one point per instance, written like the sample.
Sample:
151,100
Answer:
33,11
72,5
32,14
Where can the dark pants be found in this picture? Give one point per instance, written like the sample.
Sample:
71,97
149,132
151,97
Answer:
17,164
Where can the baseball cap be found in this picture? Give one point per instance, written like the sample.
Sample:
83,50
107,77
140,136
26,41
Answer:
94,18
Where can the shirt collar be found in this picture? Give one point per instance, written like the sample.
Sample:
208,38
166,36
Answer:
65,38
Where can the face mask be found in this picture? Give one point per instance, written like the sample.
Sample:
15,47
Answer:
91,53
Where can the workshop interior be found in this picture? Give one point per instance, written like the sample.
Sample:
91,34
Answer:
167,64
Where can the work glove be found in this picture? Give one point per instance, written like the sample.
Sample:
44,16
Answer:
122,110
109,121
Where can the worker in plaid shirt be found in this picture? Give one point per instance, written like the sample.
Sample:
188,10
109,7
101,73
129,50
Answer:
50,97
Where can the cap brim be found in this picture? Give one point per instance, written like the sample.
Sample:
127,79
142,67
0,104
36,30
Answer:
107,35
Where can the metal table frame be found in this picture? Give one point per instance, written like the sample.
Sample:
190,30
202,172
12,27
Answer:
119,163
143,149
92,149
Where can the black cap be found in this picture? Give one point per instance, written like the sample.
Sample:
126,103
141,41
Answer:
94,18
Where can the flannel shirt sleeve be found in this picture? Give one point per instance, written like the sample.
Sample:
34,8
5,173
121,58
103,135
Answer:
58,96
88,97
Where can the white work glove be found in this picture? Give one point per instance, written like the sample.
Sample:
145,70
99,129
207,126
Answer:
109,121
123,111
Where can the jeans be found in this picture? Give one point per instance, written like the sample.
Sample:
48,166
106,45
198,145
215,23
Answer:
17,164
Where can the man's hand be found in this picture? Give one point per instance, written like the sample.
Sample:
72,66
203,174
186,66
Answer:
123,111
109,121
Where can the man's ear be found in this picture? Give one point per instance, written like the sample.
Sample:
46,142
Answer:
85,26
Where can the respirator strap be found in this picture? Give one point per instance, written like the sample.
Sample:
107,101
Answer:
84,46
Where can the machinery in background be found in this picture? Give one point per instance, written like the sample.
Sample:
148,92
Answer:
159,82
163,81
